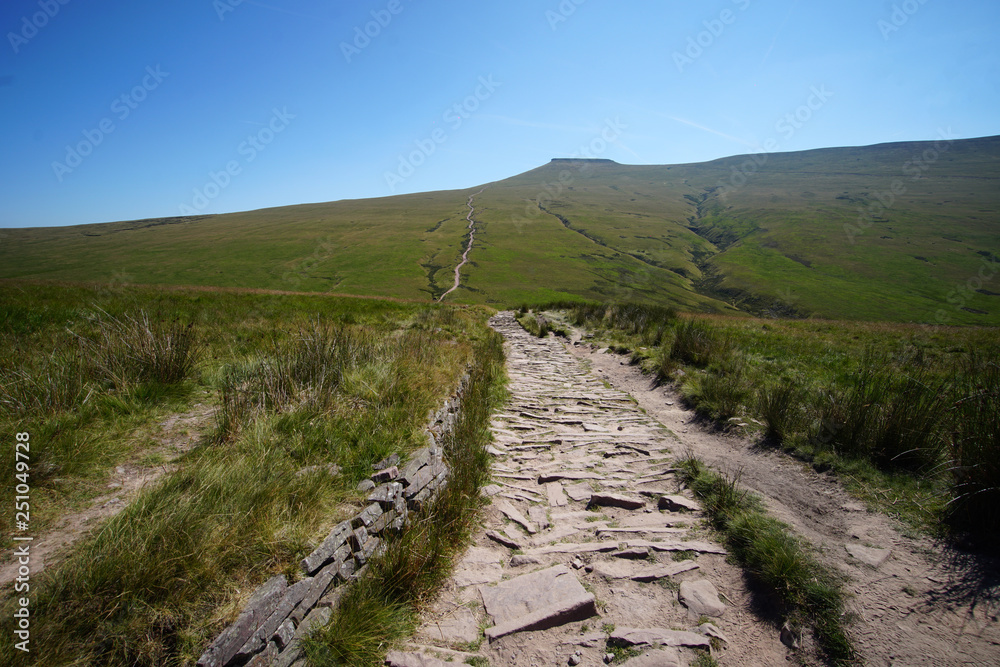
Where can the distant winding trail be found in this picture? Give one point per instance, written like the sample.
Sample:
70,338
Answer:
468,248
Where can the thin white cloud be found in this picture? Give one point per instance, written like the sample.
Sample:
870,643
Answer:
737,140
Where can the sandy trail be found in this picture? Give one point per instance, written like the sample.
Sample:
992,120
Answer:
468,247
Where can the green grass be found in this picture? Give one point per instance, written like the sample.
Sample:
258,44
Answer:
808,593
310,381
905,414
581,231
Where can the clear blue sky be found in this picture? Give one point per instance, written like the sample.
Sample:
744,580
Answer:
268,91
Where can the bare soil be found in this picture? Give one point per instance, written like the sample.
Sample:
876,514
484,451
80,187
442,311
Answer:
928,604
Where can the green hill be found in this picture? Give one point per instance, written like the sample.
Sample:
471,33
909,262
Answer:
901,232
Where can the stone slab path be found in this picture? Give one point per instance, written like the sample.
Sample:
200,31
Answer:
591,551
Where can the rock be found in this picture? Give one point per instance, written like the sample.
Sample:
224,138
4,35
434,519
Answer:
538,516
366,485
568,548
555,494
636,553
511,513
701,598
700,547
615,500
490,490
678,504
389,462
868,555
500,538
579,491
260,607
399,659
657,637
665,657
609,658
284,633
577,564
567,475
790,637
575,659
536,601
327,549
524,559
292,597
386,494
710,630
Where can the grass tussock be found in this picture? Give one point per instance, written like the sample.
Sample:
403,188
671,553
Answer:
809,595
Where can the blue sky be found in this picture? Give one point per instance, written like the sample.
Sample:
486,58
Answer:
122,110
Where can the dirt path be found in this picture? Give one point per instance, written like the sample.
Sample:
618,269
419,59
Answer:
924,605
575,549
178,433
468,248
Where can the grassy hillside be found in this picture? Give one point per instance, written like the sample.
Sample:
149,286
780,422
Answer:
900,232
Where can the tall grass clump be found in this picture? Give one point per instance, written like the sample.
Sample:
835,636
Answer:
974,468
890,416
698,343
809,594
128,350
781,406
382,607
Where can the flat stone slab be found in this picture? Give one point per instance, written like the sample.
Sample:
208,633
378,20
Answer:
567,475
869,555
538,516
399,659
536,601
461,625
665,657
616,500
511,513
505,540
657,637
555,494
479,566
678,504
700,547
701,598
569,548
639,572
579,491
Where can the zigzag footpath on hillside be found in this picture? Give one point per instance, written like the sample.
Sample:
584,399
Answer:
468,247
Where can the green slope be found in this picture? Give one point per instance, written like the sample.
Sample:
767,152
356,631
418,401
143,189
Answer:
903,232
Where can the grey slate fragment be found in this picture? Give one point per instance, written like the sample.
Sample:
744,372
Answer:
400,659
284,633
616,500
366,485
293,595
536,601
265,657
386,475
324,553
678,504
388,462
500,538
316,619
657,637
368,515
261,605
320,583
386,493
701,597
664,657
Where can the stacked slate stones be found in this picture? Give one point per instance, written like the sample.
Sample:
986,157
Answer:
269,631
